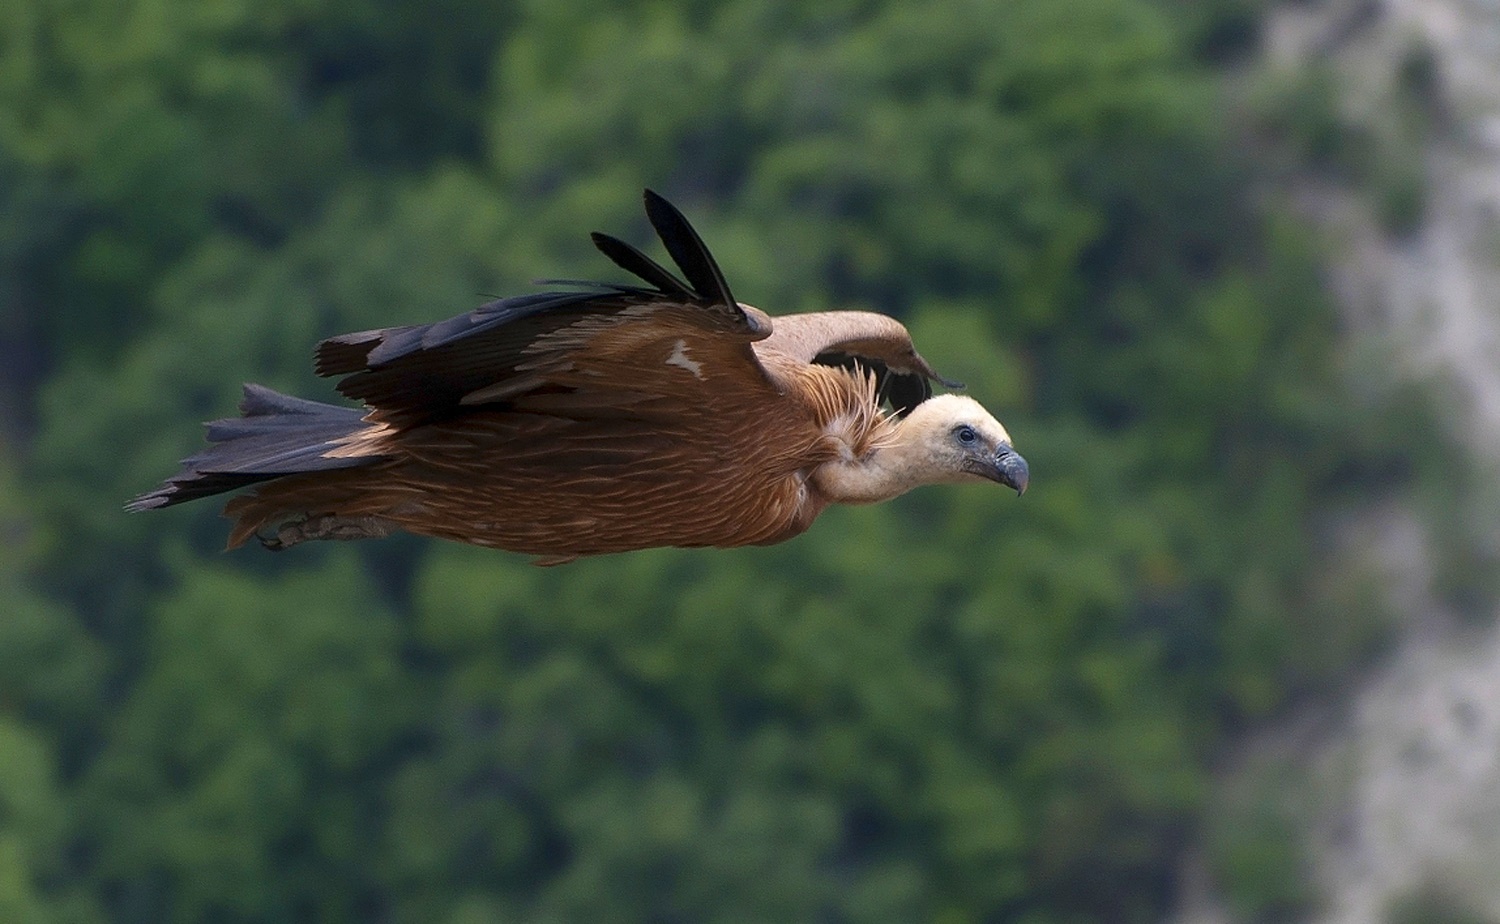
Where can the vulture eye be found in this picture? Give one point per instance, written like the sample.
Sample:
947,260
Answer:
965,434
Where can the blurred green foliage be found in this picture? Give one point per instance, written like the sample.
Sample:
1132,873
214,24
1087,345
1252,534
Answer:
1255,840
957,707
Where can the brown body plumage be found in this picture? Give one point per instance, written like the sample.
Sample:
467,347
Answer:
604,420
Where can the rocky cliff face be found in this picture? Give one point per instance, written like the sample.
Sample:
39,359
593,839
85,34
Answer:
1403,793
1435,290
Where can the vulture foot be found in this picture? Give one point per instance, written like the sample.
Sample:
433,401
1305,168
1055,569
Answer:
326,526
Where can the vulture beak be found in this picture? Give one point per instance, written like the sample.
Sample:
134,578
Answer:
1010,469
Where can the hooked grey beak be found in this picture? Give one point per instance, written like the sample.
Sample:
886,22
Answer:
1011,469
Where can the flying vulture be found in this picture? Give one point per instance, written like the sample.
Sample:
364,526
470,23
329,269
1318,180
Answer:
605,418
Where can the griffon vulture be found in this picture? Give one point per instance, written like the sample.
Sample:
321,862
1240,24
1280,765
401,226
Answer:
603,419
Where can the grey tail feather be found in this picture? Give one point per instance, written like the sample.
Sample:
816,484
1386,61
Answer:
278,435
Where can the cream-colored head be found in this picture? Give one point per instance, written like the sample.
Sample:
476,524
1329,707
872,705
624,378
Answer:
954,439
946,439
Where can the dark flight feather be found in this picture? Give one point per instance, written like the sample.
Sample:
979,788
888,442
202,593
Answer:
688,250
631,260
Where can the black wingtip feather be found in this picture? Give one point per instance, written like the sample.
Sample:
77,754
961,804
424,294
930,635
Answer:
631,260
688,250
260,401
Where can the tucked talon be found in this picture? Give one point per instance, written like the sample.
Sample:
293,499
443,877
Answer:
284,538
325,526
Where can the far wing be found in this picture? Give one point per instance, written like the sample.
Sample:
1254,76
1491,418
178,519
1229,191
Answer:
875,342
515,346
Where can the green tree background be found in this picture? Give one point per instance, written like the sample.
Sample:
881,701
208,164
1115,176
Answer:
957,707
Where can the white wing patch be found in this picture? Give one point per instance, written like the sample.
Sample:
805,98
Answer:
679,357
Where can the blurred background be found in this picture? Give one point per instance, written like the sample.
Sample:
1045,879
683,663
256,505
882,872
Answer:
1227,269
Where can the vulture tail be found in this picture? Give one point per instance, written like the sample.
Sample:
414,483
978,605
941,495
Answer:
278,435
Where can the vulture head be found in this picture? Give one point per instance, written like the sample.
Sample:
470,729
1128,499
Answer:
952,438
947,439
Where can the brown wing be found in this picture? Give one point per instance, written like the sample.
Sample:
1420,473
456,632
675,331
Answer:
875,342
541,344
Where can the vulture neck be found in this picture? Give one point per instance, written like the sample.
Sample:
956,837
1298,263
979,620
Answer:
889,469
